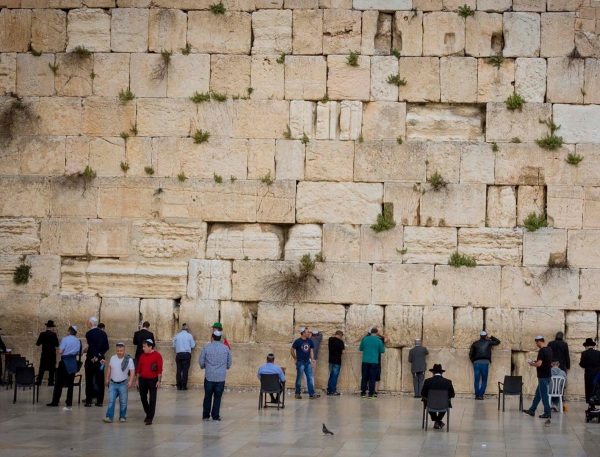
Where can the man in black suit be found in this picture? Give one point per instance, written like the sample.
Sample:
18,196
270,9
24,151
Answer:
560,351
590,362
49,342
138,339
437,382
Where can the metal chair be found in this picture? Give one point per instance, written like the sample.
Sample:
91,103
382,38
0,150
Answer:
512,385
25,377
11,367
270,384
557,387
437,402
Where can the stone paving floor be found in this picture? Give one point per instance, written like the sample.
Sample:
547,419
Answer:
387,426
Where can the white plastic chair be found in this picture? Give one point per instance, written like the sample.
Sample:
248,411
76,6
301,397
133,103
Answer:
557,386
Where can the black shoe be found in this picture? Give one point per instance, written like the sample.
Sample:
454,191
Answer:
99,405
441,424
217,419
336,394
148,422
531,413
437,426
375,394
88,405
184,388
178,387
206,418
545,416
51,404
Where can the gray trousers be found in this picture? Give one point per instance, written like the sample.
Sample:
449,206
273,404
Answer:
418,379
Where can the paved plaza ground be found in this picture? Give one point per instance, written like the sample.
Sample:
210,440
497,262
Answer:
387,426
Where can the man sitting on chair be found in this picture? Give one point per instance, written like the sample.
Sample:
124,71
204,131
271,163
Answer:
437,382
271,368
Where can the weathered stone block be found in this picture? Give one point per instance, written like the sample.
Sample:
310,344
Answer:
260,118
403,324
591,208
152,239
492,246
539,246
557,34
381,68
540,287
164,117
458,77
590,292
48,30
541,321
305,77
384,120
19,236
186,73
267,78
529,5
289,160
521,35
444,123
495,84
275,322
44,275
506,325
307,31
407,35
167,30
444,34
106,155
67,237
380,247
578,123
237,318
341,242
465,286
272,32
121,317
329,160
501,206
73,199
112,74
432,245
129,30
108,238
477,163
565,80
200,316
160,313
386,5
565,206
33,75
149,75
69,309
302,119
390,279
89,28
261,158
530,79
29,197
457,205
406,199
584,246
341,31
578,324
376,161
209,279
468,321
339,120
252,241
15,30
444,158
422,76
8,73
41,155
119,199
498,6
107,117
483,34
347,82
591,86
438,325
503,124
519,164
72,77
303,239
327,319
376,33
359,320
228,33
563,5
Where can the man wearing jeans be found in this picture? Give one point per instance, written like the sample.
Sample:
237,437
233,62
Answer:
120,372
481,357
303,355
215,358
337,348
543,366
371,346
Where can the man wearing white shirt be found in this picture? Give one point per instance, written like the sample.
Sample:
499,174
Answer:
120,372
183,344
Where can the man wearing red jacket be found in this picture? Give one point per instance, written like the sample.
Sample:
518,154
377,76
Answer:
149,372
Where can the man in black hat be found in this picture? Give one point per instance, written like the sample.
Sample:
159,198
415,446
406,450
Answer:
590,362
437,382
49,342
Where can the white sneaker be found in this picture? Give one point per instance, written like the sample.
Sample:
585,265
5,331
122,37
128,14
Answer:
67,408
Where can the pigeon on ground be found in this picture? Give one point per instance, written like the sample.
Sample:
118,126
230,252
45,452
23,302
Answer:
326,430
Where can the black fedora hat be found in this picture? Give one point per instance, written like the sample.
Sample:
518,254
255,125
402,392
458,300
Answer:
437,368
589,342
50,323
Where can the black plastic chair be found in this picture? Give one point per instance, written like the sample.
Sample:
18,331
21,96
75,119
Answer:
77,383
270,384
11,367
25,377
438,401
512,385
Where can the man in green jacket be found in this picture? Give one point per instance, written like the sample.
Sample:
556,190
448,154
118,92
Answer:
371,346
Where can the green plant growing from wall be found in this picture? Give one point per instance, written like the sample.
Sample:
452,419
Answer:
352,59
516,139
22,274
181,177
287,134
325,99
319,257
573,158
218,97
550,141
496,60
385,220
465,11
495,147
201,136
232,179
360,138
437,181
396,80
79,179
124,167
399,140
217,178
82,52
54,68
199,97
304,139
186,51
515,102
162,68
266,179
134,130
396,53
125,95
149,171
534,222
124,135
34,52
458,260
558,260
293,283
16,115
280,59
218,8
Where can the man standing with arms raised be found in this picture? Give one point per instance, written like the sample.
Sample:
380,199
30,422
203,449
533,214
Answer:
481,357
371,346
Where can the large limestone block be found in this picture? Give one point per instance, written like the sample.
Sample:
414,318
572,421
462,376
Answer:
73,200
376,161
359,320
444,158
498,6
541,321
432,245
407,33
384,120
390,284
57,116
380,247
565,80
338,120
272,32
329,160
275,323
590,290
438,325
289,160
557,34
495,84
112,74
129,30
483,34
149,75
67,237
307,30
166,30
391,370
303,239
89,28
529,199
44,275
422,75
161,315
48,30
350,203
468,321
187,73
505,324
584,248
24,196
121,317
540,287
33,75
591,87
237,320
406,199
156,239
565,206
376,33
209,279
260,118
341,242
457,205
305,77
15,30
164,117
41,155
530,79
543,244
107,117
503,124
521,35
240,241
108,238
578,124
403,324
19,236
444,34
118,199
587,41
591,208
67,309
477,162
501,206
327,319
200,315
465,286
302,119
228,33
348,82
381,68
529,5
458,76
267,78
519,164
491,246
564,5
115,278
440,122
578,324
8,73
341,31
106,155
216,117
386,5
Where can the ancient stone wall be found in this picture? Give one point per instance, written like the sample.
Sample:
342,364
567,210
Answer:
173,160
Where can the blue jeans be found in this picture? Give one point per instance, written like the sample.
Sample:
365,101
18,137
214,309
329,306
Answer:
212,389
117,390
481,372
304,368
334,372
541,393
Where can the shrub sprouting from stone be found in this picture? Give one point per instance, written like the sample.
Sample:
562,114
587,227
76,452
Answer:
437,181
293,283
550,141
534,221
573,158
385,221
22,274
465,11
218,8
352,59
459,260
515,101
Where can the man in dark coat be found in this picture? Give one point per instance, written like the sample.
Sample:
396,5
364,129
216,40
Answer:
138,339
590,362
437,382
2,349
97,346
418,366
560,352
49,342
480,355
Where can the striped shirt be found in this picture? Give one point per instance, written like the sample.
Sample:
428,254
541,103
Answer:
215,358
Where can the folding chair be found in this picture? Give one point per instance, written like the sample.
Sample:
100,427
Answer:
557,387
512,385
270,384
437,402
25,377
11,367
